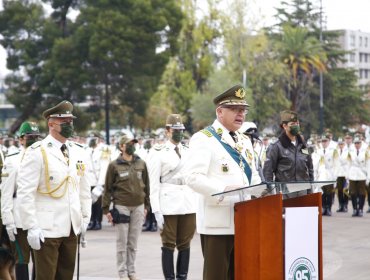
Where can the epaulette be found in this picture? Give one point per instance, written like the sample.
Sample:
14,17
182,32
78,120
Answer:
78,144
13,154
206,132
158,147
35,145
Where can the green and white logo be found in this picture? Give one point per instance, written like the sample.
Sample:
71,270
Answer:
302,269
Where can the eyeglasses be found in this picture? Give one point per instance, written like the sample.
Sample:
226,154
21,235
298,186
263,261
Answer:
237,109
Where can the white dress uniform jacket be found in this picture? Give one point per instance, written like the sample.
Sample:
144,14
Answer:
58,199
343,162
172,197
9,202
327,165
359,169
210,170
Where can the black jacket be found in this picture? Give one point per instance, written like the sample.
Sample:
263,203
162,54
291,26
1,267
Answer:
286,162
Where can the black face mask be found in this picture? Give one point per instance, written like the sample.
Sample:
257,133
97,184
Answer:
30,140
130,149
177,135
67,130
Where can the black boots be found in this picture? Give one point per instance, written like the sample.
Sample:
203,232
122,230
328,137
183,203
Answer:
94,225
21,271
182,265
167,264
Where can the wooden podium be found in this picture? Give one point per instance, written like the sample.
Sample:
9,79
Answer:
259,236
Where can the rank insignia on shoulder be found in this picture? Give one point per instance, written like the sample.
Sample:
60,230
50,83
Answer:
50,144
77,144
36,145
219,131
225,167
206,132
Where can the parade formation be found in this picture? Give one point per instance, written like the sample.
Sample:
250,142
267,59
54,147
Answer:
55,189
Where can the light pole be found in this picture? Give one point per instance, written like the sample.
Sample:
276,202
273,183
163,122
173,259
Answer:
321,112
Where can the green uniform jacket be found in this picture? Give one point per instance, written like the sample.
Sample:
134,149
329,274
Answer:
127,182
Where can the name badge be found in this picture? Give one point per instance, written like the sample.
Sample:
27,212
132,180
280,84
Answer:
123,174
305,151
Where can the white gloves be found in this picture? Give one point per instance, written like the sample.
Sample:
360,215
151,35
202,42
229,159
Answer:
160,220
83,241
12,231
34,236
96,193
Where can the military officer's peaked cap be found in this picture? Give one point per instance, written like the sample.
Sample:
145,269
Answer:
62,110
29,128
357,140
174,121
127,139
232,96
288,116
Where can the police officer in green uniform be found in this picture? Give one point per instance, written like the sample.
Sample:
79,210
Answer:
54,196
28,134
127,185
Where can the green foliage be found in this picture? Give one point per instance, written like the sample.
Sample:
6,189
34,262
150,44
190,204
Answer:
107,50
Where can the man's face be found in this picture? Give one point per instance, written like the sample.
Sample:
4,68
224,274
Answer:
325,143
231,117
348,140
55,123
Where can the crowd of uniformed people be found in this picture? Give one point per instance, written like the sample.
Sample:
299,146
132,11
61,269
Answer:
146,180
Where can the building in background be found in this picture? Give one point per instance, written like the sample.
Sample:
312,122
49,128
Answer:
357,43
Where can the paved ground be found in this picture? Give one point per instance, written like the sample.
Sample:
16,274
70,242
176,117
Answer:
346,252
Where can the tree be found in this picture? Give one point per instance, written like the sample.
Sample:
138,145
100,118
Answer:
339,84
303,56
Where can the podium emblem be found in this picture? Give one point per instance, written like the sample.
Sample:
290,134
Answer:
302,268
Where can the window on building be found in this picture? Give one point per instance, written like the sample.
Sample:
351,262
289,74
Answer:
366,41
352,40
360,57
360,42
366,56
366,73
352,57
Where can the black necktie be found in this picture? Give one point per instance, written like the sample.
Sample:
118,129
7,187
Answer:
233,135
358,152
177,151
65,152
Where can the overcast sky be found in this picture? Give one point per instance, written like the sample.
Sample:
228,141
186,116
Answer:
340,14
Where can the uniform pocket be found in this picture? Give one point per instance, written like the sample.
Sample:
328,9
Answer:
45,219
217,216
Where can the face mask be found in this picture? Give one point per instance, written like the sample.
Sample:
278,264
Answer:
294,129
67,130
30,141
130,149
147,145
177,135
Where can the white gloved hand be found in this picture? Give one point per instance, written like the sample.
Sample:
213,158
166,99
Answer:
83,241
12,231
34,236
96,193
160,220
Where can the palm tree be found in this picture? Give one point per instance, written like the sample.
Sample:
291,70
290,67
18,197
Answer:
304,57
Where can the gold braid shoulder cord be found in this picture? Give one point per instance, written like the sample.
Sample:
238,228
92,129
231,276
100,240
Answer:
51,191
